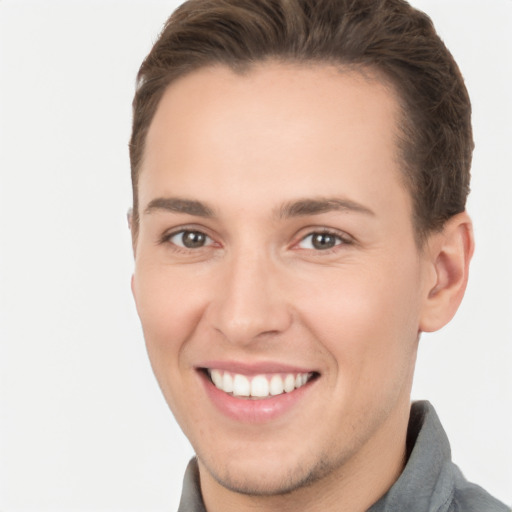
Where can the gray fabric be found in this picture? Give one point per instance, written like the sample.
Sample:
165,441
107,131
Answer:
191,499
430,481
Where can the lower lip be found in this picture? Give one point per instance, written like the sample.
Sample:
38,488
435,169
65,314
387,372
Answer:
248,410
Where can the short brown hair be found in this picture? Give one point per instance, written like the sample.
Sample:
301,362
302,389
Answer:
388,36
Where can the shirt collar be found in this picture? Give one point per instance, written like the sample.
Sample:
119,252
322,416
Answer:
427,481
191,499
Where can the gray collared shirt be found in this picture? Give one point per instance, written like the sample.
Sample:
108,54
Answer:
430,482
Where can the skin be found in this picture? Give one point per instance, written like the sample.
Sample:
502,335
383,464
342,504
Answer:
246,147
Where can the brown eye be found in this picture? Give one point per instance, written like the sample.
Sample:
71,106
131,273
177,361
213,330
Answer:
190,239
320,241
323,241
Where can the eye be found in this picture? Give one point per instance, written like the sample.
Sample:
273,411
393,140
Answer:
190,239
321,241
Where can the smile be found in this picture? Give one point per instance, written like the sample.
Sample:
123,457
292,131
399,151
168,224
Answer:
258,386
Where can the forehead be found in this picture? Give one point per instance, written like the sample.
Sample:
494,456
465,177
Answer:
295,127
323,95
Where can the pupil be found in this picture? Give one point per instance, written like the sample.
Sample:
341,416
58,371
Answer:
193,239
323,241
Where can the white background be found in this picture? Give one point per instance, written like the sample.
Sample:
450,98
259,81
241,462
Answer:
82,424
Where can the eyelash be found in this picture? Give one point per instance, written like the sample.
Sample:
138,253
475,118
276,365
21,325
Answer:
167,239
341,240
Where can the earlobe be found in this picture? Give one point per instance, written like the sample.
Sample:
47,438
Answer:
450,252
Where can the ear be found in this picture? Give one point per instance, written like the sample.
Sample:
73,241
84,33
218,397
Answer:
131,227
132,286
449,253
129,218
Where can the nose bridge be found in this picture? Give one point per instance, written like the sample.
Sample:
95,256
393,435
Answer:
250,303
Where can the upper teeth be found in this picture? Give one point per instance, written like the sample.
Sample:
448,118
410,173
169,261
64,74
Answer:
260,386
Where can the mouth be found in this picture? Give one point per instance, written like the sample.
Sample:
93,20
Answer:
259,386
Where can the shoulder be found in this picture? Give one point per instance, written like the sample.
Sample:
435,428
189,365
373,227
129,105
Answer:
468,497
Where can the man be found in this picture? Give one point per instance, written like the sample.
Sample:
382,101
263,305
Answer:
300,170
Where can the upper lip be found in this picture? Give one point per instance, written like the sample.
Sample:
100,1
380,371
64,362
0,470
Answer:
254,368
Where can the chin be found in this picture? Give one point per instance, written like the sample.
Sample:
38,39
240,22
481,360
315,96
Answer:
267,478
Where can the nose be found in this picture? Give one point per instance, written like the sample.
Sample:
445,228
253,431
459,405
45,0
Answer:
250,304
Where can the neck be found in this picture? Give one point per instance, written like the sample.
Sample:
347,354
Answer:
353,487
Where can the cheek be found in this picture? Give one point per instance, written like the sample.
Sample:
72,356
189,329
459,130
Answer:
168,307
367,320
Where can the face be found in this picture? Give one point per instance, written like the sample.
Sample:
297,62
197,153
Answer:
277,277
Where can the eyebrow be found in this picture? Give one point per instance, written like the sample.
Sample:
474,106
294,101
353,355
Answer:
179,205
316,206
298,208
